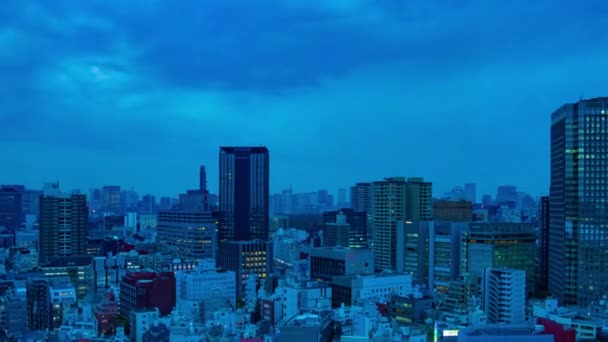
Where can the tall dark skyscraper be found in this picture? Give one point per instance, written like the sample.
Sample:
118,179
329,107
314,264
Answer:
63,224
244,193
202,179
578,202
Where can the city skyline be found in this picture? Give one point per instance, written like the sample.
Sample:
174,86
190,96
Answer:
90,95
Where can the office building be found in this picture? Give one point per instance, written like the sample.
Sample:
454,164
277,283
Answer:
147,290
578,200
247,259
148,204
346,228
244,193
504,295
388,207
394,200
411,309
543,257
361,197
470,191
63,224
444,253
31,202
328,262
11,207
341,198
187,234
452,211
412,250
111,198
500,245
129,200
78,271
216,289
419,203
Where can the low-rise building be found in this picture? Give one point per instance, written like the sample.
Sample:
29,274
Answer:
328,262
381,287
308,326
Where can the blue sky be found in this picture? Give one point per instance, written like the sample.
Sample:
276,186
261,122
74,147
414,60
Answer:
139,93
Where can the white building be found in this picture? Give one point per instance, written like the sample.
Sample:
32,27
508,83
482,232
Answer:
504,295
380,287
294,297
215,289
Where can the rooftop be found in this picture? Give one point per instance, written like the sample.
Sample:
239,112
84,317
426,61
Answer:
69,262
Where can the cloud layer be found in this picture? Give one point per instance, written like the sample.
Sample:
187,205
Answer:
139,93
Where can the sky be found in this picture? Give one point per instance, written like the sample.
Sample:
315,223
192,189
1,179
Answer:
139,93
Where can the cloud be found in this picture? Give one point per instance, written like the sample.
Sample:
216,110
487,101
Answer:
342,91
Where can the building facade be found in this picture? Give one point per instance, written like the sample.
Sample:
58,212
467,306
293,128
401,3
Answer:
187,234
63,224
246,259
244,193
11,206
387,208
147,290
216,289
578,200
346,228
504,295
500,245
328,262
452,211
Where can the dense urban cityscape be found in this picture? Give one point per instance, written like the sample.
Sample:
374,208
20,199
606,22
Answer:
303,171
390,262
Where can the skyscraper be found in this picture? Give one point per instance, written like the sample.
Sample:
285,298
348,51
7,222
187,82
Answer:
360,197
470,191
419,200
578,202
244,193
202,179
63,224
341,198
387,206
111,198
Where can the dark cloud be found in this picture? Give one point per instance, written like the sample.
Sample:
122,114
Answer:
359,82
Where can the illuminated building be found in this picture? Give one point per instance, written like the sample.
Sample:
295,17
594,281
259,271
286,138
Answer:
246,258
498,245
578,201
187,234
244,193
